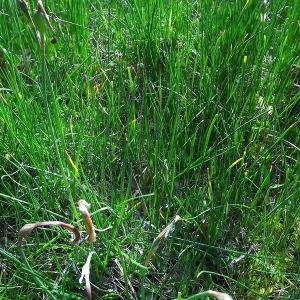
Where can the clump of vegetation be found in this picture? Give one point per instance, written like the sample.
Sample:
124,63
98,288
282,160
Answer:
83,206
150,111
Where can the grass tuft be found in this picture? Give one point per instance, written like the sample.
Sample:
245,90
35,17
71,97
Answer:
149,111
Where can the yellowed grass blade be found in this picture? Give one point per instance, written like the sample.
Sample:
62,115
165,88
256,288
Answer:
218,295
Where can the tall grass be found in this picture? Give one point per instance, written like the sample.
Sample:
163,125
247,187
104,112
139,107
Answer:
153,110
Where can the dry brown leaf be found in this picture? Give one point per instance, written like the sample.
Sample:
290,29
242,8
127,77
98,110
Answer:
218,295
83,206
162,235
85,273
27,229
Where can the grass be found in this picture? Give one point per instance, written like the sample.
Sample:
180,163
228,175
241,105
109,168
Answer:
148,111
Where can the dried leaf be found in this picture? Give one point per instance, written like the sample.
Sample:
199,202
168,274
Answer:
218,295
83,206
27,229
161,237
85,273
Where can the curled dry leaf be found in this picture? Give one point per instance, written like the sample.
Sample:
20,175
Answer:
162,236
27,229
83,206
218,295
85,273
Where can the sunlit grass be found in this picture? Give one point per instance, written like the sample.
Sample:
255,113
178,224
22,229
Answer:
151,111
